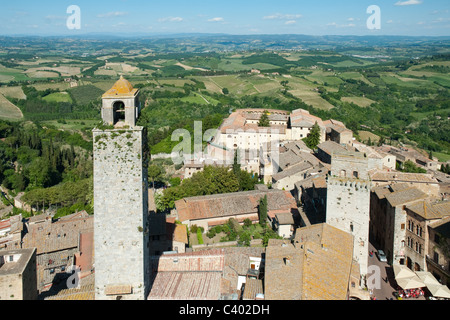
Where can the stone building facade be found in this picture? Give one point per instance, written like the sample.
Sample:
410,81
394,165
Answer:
121,228
18,274
348,201
438,258
424,223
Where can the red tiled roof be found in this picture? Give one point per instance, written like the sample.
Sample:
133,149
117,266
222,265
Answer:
230,204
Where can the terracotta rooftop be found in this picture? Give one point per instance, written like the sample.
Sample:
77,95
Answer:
186,286
302,118
284,218
187,276
296,168
429,211
405,196
238,121
442,226
253,287
86,291
316,267
283,271
59,235
379,175
331,147
228,204
122,88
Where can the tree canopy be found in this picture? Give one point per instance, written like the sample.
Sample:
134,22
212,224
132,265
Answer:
313,138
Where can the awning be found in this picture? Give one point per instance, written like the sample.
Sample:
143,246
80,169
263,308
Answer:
406,278
410,283
427,278
435,288
402,272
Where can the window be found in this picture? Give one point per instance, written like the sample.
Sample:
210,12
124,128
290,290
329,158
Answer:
402,226
351,226
355,174
436,238
436,257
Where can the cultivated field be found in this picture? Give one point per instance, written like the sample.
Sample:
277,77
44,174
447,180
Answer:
9,111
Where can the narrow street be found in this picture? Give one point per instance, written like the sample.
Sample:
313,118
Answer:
387,281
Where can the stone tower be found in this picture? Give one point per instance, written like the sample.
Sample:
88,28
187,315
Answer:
121,238
121,104
348,201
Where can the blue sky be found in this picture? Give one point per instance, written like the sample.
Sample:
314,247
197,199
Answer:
319,17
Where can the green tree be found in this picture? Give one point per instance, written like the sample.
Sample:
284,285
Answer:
262,210
313,138
154,174
176,181
237,163
264,120
244,238
410,166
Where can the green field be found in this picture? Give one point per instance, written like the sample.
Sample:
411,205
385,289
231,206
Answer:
58,97
443,157
72,124
359,101
86,94
13,92
365,135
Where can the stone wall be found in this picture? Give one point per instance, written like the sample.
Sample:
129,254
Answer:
121,212
348,205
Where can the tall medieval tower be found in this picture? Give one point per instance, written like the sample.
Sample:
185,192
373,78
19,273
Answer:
121,238
348,201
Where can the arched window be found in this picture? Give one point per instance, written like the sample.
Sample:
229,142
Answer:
119,111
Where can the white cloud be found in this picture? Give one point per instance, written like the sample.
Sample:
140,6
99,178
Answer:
217,19
290,22
112,14
279,16
408,2
171,19
334,24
